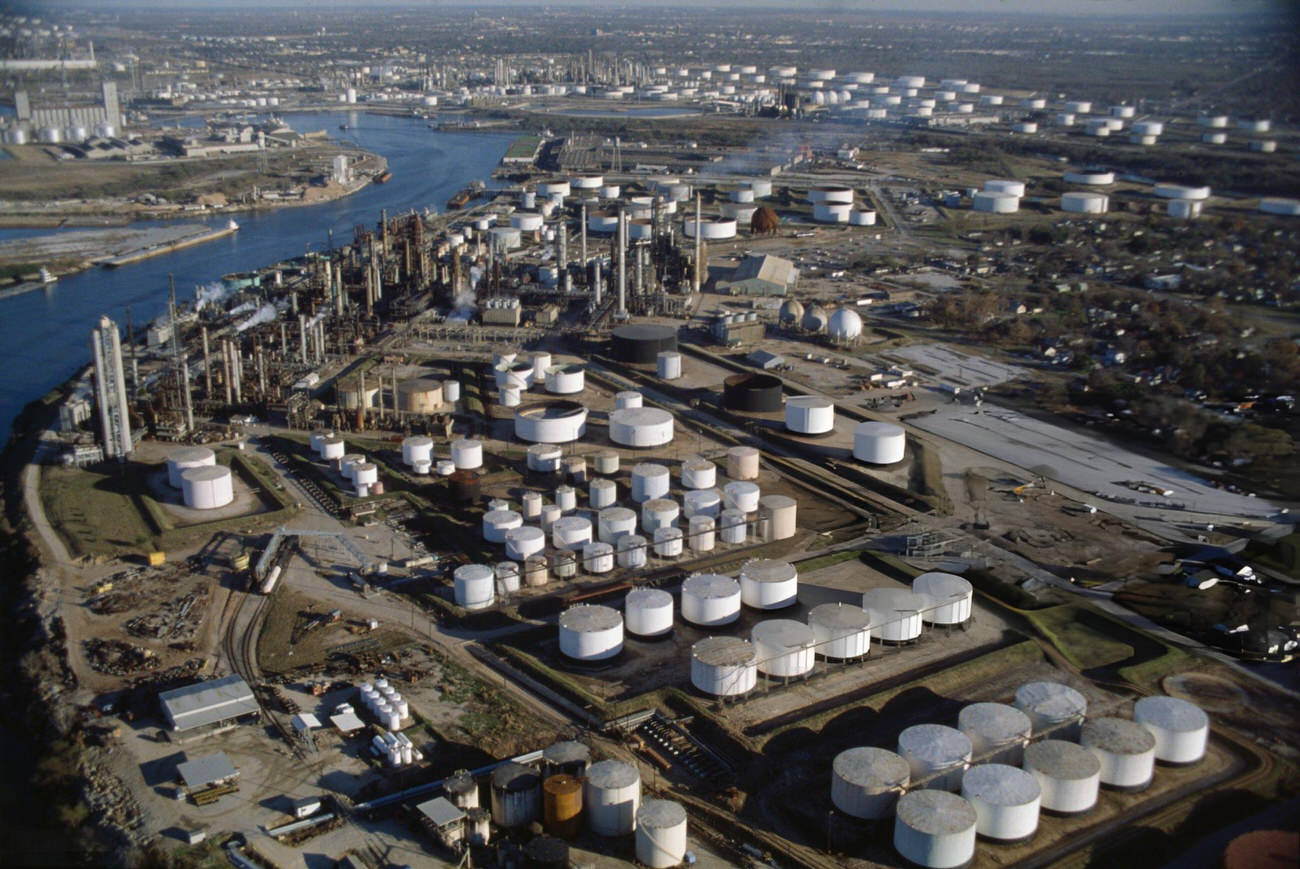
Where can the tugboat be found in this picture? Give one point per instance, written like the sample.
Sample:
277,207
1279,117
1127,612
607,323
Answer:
383,177
48,277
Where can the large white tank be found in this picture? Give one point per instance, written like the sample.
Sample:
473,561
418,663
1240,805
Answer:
1069,775
524,541
668,542
497,523
1006,801
641,427
467,454
648,612
698,473
841,632
185,458
784,647
554,423
997,185
710,599
474,586
935,829
659,513
1180,728
1126,750
701,534
650,481
832,212
830,194
632,551
724,666
809,414
660,834
669,365
880,443
937,754
602,493
611,797
780,512
732,526
417,448
571,532
895,613
615,522
948,595
1280,206
741,495
769,584
1054,709
866,782
742,463
1181,191
845,325
591,633
566,379
998,733
527,221
207,487
711,228
995,203
1085,202
348,466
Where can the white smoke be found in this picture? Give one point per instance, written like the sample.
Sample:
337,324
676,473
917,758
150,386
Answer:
210,294
242,309
265,314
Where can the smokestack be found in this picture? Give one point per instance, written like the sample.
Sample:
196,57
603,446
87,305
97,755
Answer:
698,242
320,340
261,372
595,281
185,390
207,365
238,371
583,247
225,355
284,343
302,338
622,263
638,274
562,245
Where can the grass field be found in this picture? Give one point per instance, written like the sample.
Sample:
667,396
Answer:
94,511
1079,641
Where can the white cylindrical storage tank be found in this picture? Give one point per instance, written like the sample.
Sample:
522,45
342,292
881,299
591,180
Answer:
496,523
1085,202
417,449
648,612
669,363
598,557
317,438
724,666
700,534
809,414
742,463
820,195
509,396
605,462
935,829
348,465
575,469
1065,119
711,228
508,578
188,457
524,541
475,586
660,834
365,474
1069,775
445,467
862,218
1054,709
699,473
1280,206
710,599
1126,750
591,633
641,427
1079,107
741,495
768,584
997,732
564,564
527,221
995,203
570,532
601,494
207,487
610,191
536,570
566,498
668,542
832,212
541,361
1005,799
566,379
649,481
1122,111
842,632
937,754
532,506
895,613
632,550
1091,177
1149,128
780,512
998,185
702,502
467,454
545,458
587,182
1214,138
1180,728
451,391
866,782
949,597
1181,191
732,526
611,796
659,513
627,398
554,187
614,522
784,647
1184,209
880,443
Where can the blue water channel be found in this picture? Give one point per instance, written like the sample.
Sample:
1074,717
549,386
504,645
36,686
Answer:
45,335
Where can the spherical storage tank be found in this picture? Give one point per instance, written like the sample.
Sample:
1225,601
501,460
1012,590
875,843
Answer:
710,599
207,487
752,393
880,443
183,459
784,647
474,586
516,795
1052,708
768,584
591,633
949,597
938,755
1083,202
641,427
935,829
648,612
641,343
866,782
809,414
1180,728
815,319
552,422
1126,750
791,311
612,796
660,834
1006,801
845,325
996,203
895,613
1068,775
997,732
724,666
842,632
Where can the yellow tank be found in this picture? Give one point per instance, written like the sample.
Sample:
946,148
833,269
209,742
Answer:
240,561
157,558
562,806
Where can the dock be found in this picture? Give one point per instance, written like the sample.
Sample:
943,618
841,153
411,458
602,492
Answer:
135,256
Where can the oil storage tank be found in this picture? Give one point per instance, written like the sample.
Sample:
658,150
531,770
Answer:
562,805
660,834
841,632
551,422
935,829
1054,709
591,632
1069,775
207,487
612,796
948,596
784,647
650,481
895,613
742,463
938,755
769,584
809,414
516,795
615,522
567,757
724,666
752,393
710,599
998,733
185,458
641,343
641,427
421,395
866,782
1180,728
648,612
1006,801
1126,750
474,586
777,514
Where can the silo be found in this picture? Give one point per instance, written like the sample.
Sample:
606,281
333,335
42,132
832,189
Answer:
998,733
475,586
701,535
742,463
724,666
567,757
948,596
895,613
1005,799
935,829
1180,728
866,782
809,414
462,789
612,796
632,550
660,834
650,481
710,599
702,502
937,755
659,513
841,632
598,557
1054,709
769,584
784,647
524,541
615,522
1126,750
648,612
698,473
1068,774
780,513
516,795
562,805
496,523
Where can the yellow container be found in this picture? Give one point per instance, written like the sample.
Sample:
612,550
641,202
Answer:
562,806
157,558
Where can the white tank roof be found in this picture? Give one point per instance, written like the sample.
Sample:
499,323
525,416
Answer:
587,618
724,651
937,744
936,813
1170,713
870,767
1118,736
1062,760
1000,785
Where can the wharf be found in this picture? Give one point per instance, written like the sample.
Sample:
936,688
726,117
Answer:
154,250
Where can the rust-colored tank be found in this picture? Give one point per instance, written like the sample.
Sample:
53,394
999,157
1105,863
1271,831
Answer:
562,805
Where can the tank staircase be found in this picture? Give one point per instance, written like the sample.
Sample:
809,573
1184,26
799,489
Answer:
674,744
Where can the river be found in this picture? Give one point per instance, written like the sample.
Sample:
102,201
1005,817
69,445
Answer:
45,335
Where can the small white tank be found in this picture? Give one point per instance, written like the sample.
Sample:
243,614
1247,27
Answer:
724,666
598,557
445,467
551,513
474,586
564,564
508,578
710,599
648,612
660,834
650,481
605,462
702,502
732,526
1068,774
1006,801
937,754
531,506
571,532
659,513
700,534
467,454
536,570
1181,729
541,361
496,523
615,522
566,498
742,463
879,443
631,550
998,733
1126,750
948,595
741,495
544,458
1054,709
611,797
524,541
626,399
809,414
784,646
935,829
669,365
699,473
780,512
451,391
668,542
895,613
602,493
591,633
866,782
841,632
768,584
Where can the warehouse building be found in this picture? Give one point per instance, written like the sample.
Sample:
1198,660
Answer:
761,276
208,705
213,770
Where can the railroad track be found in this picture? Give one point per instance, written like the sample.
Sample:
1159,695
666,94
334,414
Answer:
241,652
